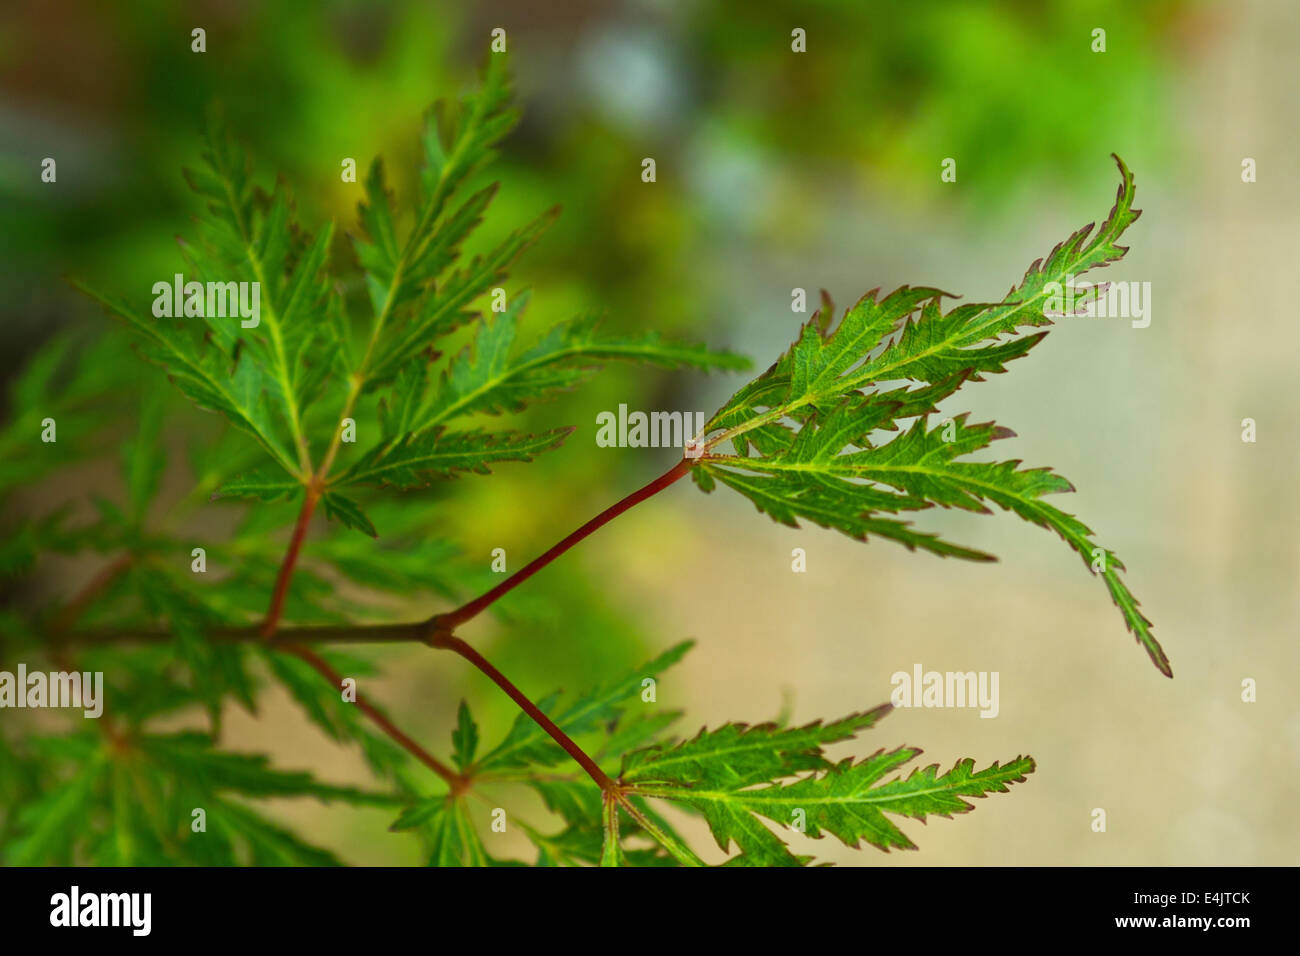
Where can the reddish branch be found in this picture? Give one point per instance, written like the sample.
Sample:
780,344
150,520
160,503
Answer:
388,727
453,619
455,644
290,561
437,632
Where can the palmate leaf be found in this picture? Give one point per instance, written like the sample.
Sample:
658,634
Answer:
732,775
803,432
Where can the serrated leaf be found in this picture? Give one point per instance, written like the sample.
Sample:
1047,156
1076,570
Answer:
418,460
464,739
737,755
491,376
848,799
48,828
268,843
446,308
455,840
348,513
833,471
262,485
205,374
194,757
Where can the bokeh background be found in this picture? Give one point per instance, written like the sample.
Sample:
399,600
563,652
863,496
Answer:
779,170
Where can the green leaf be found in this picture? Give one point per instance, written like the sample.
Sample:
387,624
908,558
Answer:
455,840
248,237
193,756
50,827
464,739
737,755
235,387
262,485
847,799
834,471
491,376
268,844
446,308
611,851
348,513
418,460
419,813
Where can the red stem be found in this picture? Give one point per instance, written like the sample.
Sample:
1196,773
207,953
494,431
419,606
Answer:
455,618
426,758
453,643
317,662
290,560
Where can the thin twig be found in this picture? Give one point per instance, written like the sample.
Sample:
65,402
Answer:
453,619
452,643
392,730
290,560
327,634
